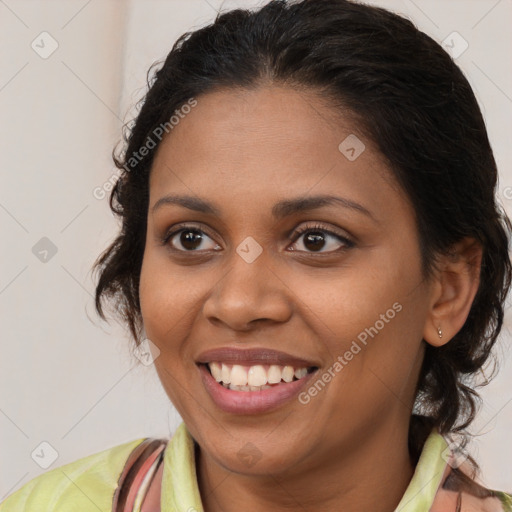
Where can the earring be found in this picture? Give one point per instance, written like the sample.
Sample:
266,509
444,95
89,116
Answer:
440,332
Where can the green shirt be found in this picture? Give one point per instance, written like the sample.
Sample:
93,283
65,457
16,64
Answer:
88,484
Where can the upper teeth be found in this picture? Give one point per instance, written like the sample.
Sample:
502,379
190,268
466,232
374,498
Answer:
257,375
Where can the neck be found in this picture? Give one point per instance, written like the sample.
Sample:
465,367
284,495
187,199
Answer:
372,477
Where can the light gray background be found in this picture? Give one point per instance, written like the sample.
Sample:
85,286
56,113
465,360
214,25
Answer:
66,378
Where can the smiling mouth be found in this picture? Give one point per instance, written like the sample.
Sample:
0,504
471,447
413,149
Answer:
257,377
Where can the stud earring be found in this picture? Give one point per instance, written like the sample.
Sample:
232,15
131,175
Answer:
440,332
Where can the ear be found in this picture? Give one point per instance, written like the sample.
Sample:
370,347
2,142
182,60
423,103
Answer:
454,288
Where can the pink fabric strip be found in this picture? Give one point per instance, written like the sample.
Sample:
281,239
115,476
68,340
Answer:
140,477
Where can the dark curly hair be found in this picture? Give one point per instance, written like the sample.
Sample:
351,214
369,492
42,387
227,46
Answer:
406,94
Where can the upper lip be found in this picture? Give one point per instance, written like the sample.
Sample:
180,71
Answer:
252,356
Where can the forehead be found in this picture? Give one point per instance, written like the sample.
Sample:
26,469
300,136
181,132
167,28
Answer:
265,141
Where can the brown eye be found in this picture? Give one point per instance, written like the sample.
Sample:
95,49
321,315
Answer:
189,239
317,237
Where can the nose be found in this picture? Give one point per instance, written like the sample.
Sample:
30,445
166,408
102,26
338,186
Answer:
248,295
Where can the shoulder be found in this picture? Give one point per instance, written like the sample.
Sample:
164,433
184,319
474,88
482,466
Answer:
87,484
460,491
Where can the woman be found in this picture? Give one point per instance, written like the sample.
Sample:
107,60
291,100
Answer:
312,253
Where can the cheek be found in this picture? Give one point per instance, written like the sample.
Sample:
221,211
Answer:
167,307
372,316
166,295
347,301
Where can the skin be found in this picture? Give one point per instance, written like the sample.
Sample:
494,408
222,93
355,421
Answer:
346,449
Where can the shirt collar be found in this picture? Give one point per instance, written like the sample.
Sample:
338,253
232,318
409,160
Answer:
425,482
180,491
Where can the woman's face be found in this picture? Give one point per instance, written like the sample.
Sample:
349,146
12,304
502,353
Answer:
344,299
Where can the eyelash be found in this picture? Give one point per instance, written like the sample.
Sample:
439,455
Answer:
315,227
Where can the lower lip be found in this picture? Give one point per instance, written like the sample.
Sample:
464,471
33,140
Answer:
251,402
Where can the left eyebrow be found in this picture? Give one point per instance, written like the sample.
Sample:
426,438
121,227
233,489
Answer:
304,204
279,210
